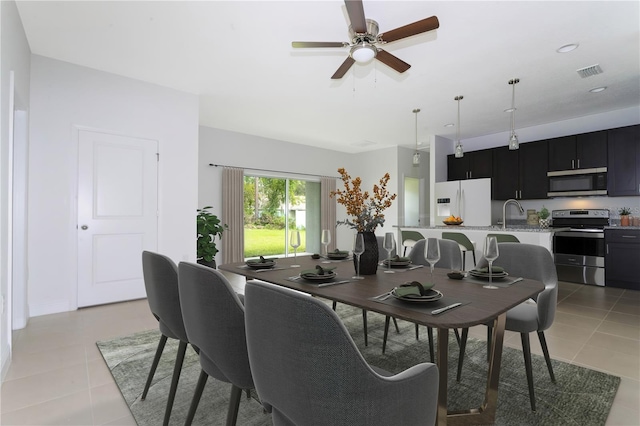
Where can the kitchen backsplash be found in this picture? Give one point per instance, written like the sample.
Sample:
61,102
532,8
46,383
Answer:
614,204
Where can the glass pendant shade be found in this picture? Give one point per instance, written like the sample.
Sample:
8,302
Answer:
416,156
459,152
513,138
513,142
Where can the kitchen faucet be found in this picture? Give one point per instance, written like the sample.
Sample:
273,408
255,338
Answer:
504,211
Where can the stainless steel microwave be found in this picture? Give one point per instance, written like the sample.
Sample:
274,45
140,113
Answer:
580,182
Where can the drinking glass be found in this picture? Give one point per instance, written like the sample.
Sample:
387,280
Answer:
491,254
325,240
389,244
432,253
358,249
295,243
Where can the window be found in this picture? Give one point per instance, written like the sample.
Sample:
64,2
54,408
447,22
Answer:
275,205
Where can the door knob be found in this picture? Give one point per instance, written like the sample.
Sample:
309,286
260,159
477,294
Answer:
84,227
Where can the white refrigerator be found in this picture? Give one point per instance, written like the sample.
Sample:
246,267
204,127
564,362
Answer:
470,199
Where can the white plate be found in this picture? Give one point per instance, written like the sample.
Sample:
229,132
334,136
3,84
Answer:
328,276
485,275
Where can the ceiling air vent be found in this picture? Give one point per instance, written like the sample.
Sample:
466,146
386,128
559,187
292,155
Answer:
589,71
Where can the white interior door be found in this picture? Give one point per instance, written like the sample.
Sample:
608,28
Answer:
117,215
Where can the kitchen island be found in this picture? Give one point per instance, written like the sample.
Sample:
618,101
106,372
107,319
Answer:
528,234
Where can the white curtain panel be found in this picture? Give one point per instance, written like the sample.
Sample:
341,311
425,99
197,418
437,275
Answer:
233,214
328,208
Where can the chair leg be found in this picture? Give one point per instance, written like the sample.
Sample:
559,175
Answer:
404,253
474,258
202,380
182,348
234,404
464,260
547,358
395,322
417,332
154,365
463,346
364,327
455,331
386,332
334,305
526,351
431,351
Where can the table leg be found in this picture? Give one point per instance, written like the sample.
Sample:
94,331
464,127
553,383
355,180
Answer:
486,413
442,362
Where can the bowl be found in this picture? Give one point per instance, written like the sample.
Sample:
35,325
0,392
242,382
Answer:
453,222
456,275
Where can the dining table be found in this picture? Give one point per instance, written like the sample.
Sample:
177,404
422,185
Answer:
477,305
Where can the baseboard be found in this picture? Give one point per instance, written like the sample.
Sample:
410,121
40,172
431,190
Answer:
52,307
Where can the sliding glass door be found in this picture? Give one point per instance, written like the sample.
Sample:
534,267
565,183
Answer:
273,206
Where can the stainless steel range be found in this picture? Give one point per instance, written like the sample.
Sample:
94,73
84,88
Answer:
579,251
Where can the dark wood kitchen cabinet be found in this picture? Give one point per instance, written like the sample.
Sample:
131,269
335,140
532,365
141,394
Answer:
473,165
623,172
520,174
584,151
622,251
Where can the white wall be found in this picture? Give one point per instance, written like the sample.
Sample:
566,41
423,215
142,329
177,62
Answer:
15,56
64,96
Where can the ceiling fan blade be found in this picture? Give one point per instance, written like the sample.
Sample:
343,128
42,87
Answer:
392,61
355,10
418,27
319,44
342,70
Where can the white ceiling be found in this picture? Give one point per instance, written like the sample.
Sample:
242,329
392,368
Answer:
237,56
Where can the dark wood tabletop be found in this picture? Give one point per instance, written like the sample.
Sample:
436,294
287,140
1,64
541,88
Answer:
481,304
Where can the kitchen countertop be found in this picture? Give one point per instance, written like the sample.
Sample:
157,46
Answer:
495,228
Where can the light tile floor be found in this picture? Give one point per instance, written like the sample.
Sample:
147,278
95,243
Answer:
58,377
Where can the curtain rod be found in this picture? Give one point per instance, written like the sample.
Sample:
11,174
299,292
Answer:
272,171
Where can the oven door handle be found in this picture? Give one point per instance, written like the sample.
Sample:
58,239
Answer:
579,234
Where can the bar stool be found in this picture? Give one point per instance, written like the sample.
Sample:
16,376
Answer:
505,238
465,245
409,239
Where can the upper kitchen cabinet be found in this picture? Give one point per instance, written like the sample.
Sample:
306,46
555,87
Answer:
584,151
473,165
623,173
520,174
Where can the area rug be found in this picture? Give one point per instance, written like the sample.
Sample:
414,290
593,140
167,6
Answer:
580,396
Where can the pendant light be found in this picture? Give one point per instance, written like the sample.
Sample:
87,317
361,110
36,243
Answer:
416,156
513,138
459,153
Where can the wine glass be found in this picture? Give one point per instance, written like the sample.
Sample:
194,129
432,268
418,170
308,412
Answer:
358,249
389,244
490,253
432,253
295,243
325,240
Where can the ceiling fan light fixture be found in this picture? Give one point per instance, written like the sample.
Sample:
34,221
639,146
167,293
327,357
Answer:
363,52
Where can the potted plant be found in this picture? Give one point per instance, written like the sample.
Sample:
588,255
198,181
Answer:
543,216
624,216
209,227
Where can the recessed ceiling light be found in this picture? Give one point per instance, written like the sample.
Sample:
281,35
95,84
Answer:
567,48
598,89
449,125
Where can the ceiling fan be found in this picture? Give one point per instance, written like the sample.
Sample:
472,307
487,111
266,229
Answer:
364,38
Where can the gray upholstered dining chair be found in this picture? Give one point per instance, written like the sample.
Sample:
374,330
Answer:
450,258
308,370
536,263
214,319
161,284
